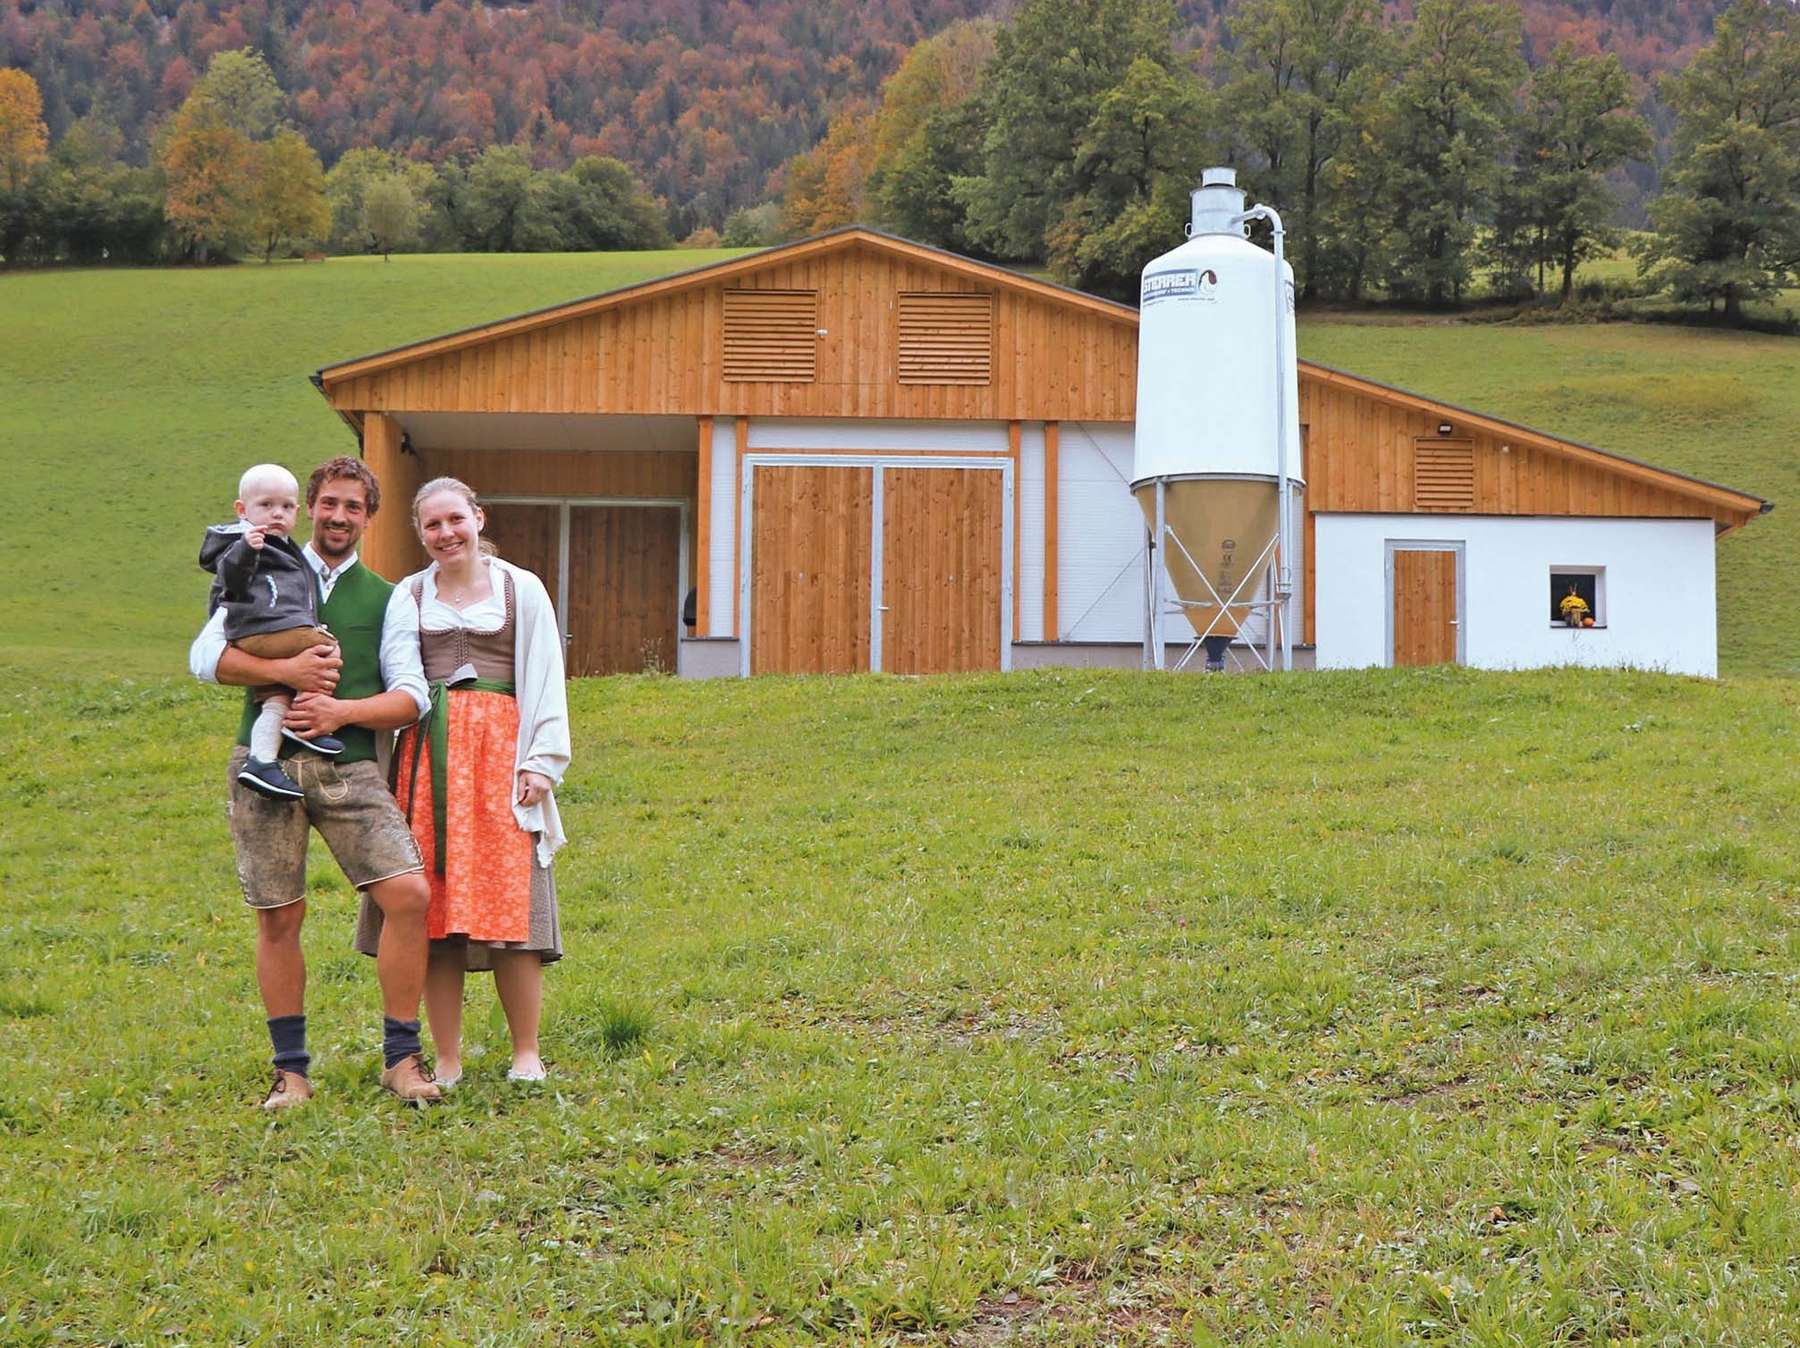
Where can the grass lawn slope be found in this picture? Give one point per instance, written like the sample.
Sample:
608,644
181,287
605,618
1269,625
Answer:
1377,1008
131,400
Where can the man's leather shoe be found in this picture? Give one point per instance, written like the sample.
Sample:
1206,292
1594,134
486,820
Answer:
409,1080
290,1089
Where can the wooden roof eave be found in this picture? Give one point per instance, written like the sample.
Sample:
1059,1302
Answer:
1730,508
848,237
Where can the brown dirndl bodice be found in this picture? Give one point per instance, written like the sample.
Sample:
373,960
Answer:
445,650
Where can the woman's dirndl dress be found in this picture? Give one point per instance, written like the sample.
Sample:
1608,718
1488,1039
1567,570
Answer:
454,778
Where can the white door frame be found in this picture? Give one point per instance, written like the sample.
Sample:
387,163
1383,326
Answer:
878,463
567,503
1460,621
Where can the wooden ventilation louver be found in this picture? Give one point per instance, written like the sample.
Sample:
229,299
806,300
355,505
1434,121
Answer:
771,336
946,338
1444,475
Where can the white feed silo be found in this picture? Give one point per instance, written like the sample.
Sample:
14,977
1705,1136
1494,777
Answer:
1218,428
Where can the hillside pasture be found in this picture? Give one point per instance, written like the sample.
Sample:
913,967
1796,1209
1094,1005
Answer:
130,401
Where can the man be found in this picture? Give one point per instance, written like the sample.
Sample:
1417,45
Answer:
360,692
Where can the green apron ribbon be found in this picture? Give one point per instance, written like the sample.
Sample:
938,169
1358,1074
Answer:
436,723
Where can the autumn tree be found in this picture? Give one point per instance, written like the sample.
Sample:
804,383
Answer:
823,187
1460,66
1295,81
390,214
209,154
24,140
1727,228
286,200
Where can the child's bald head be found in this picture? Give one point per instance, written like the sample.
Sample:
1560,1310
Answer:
269,497
265,477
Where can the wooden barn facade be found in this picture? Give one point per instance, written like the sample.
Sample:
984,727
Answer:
857,453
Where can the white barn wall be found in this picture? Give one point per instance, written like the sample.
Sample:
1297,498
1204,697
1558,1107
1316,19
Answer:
966,437
1030,487
1659,595
722,540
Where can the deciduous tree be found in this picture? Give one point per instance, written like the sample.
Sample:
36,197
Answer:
1727,227
287,193
390,214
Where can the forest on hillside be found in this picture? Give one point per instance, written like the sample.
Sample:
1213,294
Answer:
705,100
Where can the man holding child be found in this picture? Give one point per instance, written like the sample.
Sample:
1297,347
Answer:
354,693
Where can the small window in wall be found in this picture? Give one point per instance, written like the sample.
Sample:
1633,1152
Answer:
1578,596
771,336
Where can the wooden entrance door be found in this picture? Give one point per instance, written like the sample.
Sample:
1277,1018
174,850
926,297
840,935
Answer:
1426,620
811,553
624,589
528,535
940,569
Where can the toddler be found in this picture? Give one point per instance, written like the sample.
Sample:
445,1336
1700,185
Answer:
269,594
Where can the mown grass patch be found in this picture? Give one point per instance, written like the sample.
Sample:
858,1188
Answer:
1383,1007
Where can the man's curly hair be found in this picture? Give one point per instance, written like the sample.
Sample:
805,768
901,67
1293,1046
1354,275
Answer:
345,465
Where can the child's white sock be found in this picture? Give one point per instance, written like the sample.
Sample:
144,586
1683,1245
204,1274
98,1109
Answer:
265,735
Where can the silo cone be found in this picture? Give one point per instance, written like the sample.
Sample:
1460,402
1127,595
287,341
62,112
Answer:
1225,525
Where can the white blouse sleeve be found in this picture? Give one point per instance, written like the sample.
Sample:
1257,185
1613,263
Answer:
538,679
402,667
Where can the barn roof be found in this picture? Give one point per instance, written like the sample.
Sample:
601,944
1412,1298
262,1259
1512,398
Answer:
1719,499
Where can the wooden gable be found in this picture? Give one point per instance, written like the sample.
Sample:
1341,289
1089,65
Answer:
705,345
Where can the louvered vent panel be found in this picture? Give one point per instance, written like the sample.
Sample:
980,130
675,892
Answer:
946,338
771,336
1444,475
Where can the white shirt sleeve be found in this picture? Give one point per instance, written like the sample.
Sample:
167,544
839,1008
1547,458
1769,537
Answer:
543,707
402,669
208,647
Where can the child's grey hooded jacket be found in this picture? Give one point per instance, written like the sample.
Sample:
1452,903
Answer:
271,589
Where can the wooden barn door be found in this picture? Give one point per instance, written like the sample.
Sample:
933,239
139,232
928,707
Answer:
528,535
1426,621
811,553
624,589
941,569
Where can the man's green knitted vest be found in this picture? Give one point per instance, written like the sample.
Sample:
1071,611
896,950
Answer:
353,613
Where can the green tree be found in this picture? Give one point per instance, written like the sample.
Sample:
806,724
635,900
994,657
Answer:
1727,226
390,214
1134,166
287,194
347,185
1051,68
1460,67
1294,81
238,90
1578,125
499,211
753,227
600,204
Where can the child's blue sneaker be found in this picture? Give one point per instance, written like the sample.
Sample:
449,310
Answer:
329,745
267,779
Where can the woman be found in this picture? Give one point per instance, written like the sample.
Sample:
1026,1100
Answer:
475,776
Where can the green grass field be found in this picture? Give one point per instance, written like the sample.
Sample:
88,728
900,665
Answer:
1379,1008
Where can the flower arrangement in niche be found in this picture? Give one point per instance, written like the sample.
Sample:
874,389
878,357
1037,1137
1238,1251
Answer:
1574,610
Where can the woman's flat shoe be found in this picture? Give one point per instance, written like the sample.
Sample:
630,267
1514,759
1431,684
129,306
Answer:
536,1074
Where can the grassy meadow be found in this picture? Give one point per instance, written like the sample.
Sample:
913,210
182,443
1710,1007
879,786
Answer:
1387,1007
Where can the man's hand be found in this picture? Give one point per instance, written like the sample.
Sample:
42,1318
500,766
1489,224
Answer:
533,787
316,714
311,671
254,535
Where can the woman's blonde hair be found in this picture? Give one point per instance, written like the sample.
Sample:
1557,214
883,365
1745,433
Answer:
462,489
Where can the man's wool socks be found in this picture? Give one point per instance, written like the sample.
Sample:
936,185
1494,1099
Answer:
399,1039
288,1035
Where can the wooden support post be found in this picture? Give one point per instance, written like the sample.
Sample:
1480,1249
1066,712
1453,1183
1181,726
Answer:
391,544
703,534
1052,475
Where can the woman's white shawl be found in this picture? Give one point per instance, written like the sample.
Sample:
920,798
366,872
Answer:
538,685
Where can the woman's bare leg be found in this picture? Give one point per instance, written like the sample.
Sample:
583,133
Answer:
519,979
444,1009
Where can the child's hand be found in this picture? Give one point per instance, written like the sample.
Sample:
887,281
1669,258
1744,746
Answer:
254,535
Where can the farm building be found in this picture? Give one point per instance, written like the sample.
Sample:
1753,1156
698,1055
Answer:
857,452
